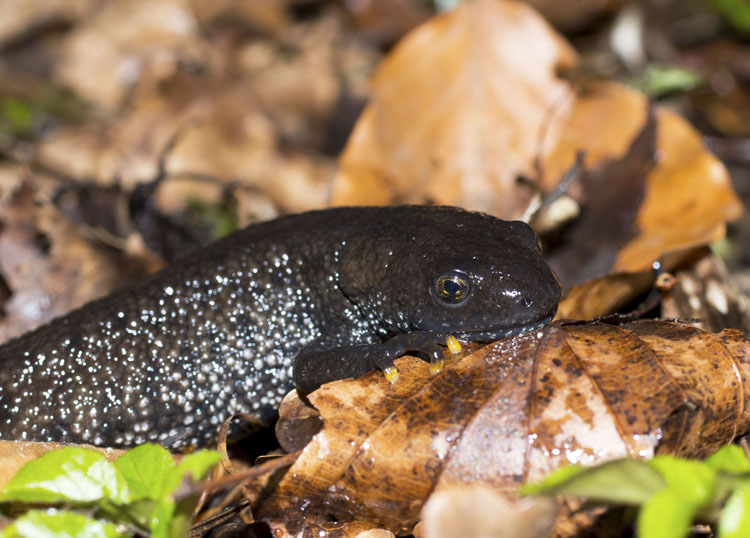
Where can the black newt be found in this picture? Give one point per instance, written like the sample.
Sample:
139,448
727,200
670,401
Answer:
300,300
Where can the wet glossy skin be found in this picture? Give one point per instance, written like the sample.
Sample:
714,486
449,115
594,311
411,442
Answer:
302,300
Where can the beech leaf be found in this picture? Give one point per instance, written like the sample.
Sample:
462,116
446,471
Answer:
457,111
511,412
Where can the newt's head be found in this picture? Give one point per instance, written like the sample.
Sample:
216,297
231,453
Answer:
449,270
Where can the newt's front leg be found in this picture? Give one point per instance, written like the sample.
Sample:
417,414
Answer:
318,363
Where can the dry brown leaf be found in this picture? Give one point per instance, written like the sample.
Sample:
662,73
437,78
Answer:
457,112
297,91
638,211
688,193
612,193
224,136
125,43
510,413
18,18
705,290
48,266
15,454
267,15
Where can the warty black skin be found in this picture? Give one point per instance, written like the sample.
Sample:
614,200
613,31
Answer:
302,300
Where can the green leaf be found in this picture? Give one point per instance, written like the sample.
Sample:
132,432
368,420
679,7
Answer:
136,513
60,524
737,12
221,220
161,518
622,481
19,114
695,480
182,519
734,521
557,478
68,475
664,79
729,458
146,468
668,514
171,519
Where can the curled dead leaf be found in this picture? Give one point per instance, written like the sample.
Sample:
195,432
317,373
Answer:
672,193
511,412
640,203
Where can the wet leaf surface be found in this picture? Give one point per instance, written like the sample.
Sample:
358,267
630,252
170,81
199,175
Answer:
512,411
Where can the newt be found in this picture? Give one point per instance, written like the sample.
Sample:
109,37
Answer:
297,301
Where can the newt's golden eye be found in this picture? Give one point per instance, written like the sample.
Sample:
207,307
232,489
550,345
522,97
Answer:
451,288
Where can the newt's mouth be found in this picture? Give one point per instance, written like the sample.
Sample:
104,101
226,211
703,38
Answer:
490,335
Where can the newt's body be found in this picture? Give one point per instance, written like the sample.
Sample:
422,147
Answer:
302,299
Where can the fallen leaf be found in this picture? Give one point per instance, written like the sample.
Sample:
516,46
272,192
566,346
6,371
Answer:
298,91
632,217
224,136
48,267
612,194
19,18
511,412
126,43
705,290
457,112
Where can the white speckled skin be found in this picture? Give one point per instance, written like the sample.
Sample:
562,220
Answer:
171,357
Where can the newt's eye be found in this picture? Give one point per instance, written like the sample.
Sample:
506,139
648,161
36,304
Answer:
451,288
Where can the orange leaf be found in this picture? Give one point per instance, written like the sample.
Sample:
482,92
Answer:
458,111
635,211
